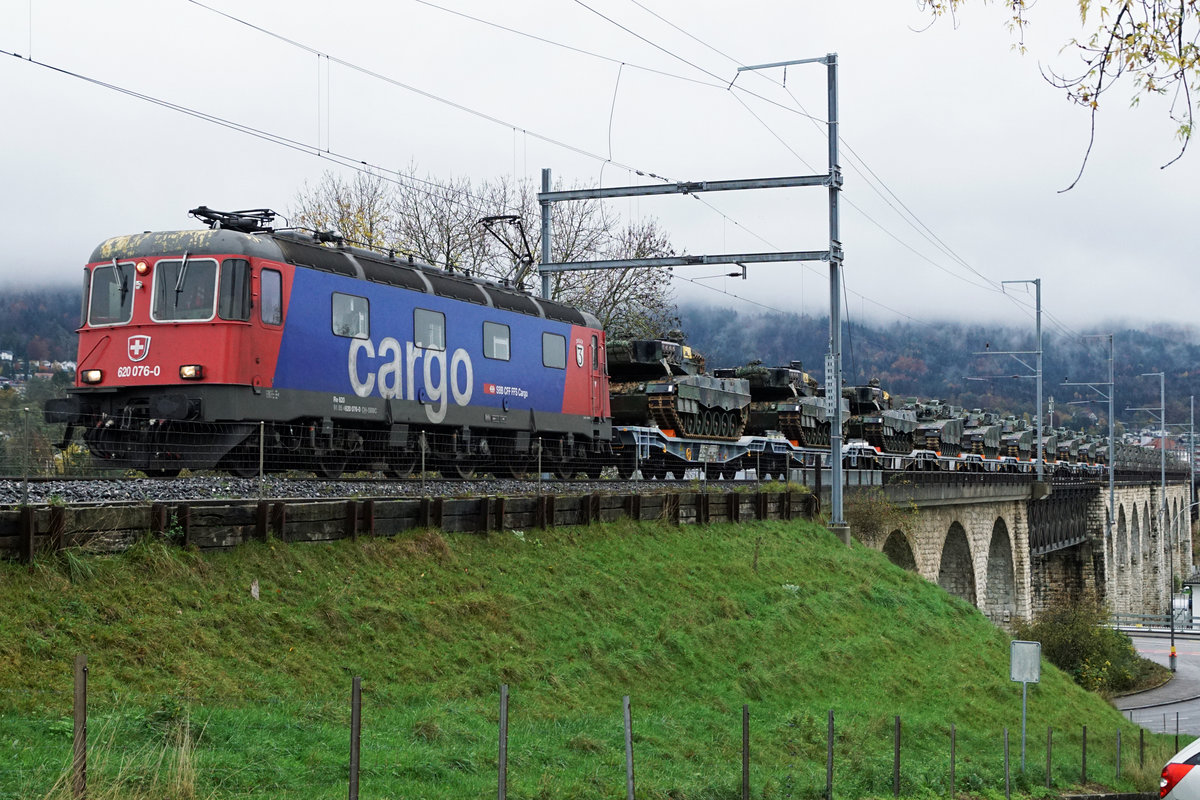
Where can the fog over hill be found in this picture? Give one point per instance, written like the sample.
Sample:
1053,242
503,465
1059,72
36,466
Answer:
935,360
944,360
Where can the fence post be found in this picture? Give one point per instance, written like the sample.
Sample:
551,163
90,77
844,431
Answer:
79,761
502,777
745,752
1118,754
355,725
1007,773
1049,752
1141,747
628,749
829,761
952,761
1083,752
896,759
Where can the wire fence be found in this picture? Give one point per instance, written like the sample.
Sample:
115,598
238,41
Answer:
389,742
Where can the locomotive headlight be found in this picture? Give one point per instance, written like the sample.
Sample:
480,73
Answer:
142,268
191,372
91,376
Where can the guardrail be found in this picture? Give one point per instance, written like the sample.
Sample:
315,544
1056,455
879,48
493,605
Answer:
1157,624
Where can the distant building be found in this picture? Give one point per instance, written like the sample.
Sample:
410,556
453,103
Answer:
6,355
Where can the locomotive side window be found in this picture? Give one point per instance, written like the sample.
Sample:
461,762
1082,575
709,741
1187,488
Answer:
184,290
234,296
270,301
351,316
554,351
111,298
429,329
595,352
495,341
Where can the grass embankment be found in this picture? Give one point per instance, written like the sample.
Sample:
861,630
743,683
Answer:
691,622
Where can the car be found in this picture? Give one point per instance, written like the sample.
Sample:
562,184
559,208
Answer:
1180,780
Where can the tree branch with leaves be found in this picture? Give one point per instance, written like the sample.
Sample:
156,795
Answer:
1149,43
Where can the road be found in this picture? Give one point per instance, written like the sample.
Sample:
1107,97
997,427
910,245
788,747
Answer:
1156,709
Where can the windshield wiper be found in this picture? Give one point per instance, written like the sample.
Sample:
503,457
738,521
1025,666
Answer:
179,280
124,281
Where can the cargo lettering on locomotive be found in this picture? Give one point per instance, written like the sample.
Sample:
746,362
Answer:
396,377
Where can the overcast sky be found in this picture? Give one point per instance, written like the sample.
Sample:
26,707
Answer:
947,125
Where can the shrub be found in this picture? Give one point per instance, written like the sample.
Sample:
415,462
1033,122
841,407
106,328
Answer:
1077,638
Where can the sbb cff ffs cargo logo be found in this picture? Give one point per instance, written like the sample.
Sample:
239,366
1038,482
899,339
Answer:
139,347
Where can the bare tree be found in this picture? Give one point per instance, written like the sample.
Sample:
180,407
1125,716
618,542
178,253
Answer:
439,221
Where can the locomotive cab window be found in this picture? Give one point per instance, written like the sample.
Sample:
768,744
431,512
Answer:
351,316
184,290
270,300
429,329
234,302
554,351
111,297
495,341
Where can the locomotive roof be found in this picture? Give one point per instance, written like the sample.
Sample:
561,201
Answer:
303,250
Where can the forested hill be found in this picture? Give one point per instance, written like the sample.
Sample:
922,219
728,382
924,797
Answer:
39,323
936,360
923,360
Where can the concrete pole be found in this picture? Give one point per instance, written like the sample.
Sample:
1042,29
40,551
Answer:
834,381
1041,462
546,234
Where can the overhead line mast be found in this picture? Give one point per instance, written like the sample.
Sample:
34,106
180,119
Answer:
832,180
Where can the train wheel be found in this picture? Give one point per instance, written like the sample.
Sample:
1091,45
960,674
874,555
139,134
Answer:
592,468
171,472
517,470
331,465
459,469
564,470
401,464
626,466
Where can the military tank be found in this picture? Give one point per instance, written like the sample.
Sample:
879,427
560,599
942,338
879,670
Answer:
662,382
873,419
939,428
1016,439
982,432
786,400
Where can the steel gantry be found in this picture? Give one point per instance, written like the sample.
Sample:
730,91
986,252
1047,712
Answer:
831,180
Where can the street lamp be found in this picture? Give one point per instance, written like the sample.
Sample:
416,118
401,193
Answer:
1162,512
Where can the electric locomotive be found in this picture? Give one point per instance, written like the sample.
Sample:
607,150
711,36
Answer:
240,344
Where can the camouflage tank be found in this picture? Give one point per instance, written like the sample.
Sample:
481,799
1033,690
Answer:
662,383
939,428
1016,439
873,419
787,400
982,433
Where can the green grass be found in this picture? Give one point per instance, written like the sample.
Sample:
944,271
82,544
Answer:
690,622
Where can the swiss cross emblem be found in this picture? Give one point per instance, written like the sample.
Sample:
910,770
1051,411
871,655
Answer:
579,353
139,347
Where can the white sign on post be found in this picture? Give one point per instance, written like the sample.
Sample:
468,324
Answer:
1026,661
1025,665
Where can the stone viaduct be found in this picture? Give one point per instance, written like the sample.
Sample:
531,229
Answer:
1013,547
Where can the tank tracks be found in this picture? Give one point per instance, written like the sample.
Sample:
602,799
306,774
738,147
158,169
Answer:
708,423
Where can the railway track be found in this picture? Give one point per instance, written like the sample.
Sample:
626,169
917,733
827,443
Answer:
122,489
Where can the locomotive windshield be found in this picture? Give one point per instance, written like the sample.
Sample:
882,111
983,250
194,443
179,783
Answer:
110,301
184,289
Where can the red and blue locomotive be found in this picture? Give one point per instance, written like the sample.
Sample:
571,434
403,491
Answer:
214,348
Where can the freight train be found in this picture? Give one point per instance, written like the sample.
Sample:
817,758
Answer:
241,347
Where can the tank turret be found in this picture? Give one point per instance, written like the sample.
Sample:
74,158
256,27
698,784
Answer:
873,419
662,383
787,400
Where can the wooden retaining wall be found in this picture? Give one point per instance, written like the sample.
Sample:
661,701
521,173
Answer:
213,524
